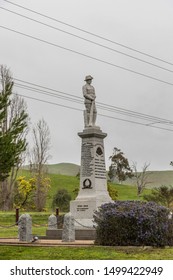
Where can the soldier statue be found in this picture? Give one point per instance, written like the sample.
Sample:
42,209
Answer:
90,112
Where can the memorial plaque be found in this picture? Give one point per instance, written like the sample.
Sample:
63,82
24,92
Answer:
87,160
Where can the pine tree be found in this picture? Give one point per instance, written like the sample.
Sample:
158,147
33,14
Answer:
11,144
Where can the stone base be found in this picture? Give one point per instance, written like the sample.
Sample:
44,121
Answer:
80,234
93,180
83,210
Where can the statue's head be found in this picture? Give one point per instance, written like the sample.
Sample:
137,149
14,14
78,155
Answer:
88,78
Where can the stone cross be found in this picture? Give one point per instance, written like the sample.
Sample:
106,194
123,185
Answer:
52,222
25,228
68,232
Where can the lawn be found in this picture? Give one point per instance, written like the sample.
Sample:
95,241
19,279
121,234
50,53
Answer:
7,220
40,220
84,253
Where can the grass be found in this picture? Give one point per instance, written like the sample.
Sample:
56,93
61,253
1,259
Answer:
156,178
40,219
39,222
12,232
58,181
61,168
84,253
125,192
64,169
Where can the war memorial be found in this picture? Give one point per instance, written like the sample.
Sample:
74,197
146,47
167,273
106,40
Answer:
93,182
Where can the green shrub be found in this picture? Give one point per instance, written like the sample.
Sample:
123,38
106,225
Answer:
162,195
133,223
112,192
62,200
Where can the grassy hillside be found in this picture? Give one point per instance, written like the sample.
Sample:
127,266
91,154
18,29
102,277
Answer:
157,178
70,169
58,181
63,176
64,169
128,192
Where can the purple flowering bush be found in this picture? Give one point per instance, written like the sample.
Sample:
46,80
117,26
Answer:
133,223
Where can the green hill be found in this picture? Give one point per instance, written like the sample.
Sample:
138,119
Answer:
70,183
157,178
63,176
69,169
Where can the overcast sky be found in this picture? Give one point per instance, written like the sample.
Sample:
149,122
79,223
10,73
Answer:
119,80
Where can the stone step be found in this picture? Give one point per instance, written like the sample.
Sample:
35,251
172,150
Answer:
80,234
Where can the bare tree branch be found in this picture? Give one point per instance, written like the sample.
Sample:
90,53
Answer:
142,178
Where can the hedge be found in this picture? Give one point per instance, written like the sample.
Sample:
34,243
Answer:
133,223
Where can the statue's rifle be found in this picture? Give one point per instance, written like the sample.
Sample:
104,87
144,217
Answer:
91,114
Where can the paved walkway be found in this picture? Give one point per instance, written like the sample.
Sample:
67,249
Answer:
45,242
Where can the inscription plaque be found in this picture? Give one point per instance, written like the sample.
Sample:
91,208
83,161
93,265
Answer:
87,160
82,208
100,170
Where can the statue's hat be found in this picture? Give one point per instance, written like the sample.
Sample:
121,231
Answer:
88,78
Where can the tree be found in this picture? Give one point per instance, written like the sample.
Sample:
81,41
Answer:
39,156
112,192
119,167
162,195
24,193
62,200
12,144
141,178
17,106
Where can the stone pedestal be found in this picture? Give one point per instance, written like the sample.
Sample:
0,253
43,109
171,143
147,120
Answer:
52,222
25,228
93,182
68,232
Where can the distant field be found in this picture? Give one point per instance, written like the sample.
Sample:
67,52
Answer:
157,178
63,176
70,169
125,192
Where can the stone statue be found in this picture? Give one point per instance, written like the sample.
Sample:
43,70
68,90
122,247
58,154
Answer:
90,113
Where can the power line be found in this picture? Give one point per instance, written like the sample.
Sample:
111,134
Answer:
47,93
47,88
90,33
87,56
74,98
124,120
110,108
49,102
87,40
101,105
